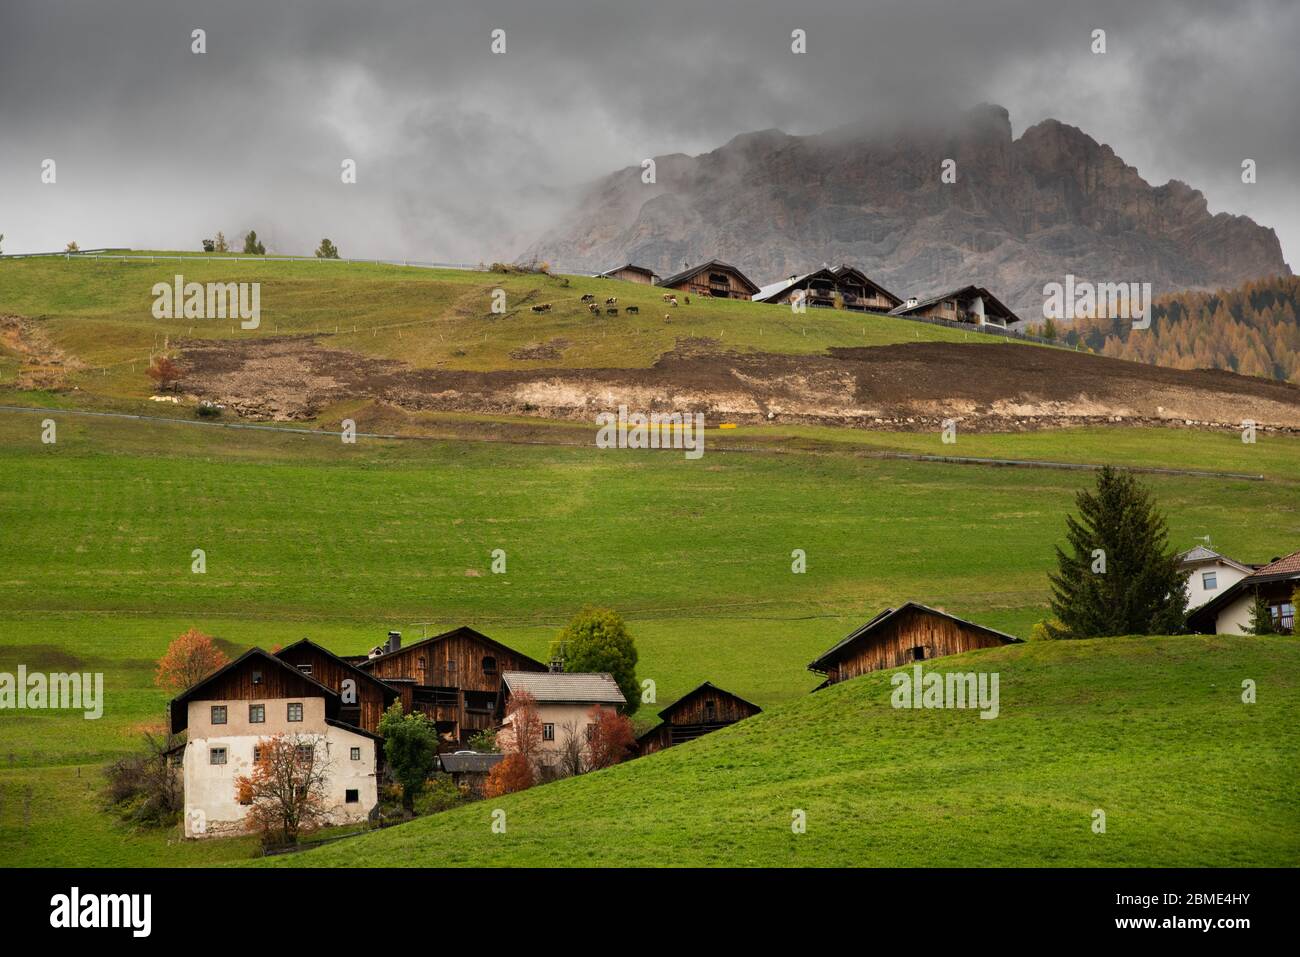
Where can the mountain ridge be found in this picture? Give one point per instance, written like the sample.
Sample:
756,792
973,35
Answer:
1023,211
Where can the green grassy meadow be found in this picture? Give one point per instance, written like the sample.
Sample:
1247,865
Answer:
1151,731
100,312
306,536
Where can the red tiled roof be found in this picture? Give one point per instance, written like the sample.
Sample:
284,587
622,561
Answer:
1287,565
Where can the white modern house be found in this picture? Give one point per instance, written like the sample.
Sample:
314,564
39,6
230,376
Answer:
567,704
1209,574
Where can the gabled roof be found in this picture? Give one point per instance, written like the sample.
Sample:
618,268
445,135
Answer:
1200,554
777,289
707,685
1279,569
462,630
552,687
964,292
350,666
844,270
180,714
819,665
711,264
624,268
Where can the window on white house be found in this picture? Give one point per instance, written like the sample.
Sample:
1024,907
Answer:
257,714
356,754
305,752
216,756
548,732
1209,580
257,754
351,796
295,711
218,714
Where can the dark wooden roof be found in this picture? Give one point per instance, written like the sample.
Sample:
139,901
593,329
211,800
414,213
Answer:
704,687
711,264
462,630
844,270
311,687
964,292
827,657
390,692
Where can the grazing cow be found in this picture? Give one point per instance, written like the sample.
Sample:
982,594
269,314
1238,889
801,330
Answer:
612,311
612,301
667,296
542,307
634,310
667,318
672,301
594,309
588,298
688,300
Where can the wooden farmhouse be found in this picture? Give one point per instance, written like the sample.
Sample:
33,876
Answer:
694,714
713,278
900,636
363,698
973,304
843,287
228,716
454,678
629,272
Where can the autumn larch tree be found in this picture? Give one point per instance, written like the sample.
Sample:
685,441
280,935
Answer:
1121,577
512,773
610,737
188,658
285,791
522,731
164,370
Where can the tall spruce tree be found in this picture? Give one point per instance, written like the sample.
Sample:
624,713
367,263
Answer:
1261,617
1121,577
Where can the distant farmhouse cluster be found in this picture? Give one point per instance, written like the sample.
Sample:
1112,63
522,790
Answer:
843,287
463,680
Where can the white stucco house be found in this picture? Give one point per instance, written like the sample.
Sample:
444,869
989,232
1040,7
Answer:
1210,574
229,714
565,703
1228,613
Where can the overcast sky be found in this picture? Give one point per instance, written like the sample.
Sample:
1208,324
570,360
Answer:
463,154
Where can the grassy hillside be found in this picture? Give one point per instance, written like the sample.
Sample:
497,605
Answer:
99,311
305,536
1151,731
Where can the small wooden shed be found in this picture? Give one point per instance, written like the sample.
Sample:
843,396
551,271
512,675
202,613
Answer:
694,714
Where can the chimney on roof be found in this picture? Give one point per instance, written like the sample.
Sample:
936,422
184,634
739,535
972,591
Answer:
793,277
394,642
911,302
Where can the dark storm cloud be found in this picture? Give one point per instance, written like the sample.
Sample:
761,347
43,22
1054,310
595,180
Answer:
462,155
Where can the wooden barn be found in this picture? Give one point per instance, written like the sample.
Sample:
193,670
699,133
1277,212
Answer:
973,304
900,636
454,678
469,770
630,272
713,278
362,703
696,713
843,287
